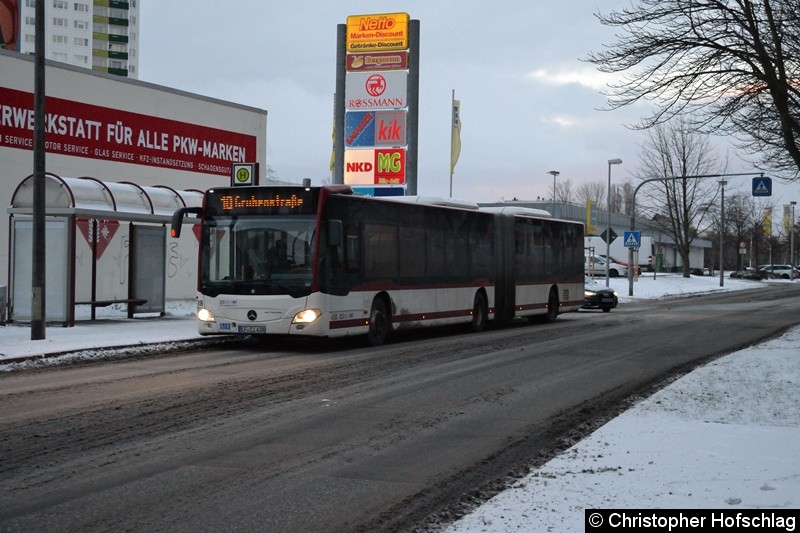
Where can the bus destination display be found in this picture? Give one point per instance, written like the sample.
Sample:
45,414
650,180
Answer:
263,201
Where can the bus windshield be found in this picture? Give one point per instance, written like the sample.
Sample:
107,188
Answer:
257,254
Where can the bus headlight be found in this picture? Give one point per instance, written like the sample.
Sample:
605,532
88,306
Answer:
204,315
306,316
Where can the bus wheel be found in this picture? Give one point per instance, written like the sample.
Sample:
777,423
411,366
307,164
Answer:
552,307
480,313
378,323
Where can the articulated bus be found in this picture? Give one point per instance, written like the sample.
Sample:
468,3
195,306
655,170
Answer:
322,261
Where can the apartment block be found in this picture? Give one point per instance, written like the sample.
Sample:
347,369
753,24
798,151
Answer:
101,35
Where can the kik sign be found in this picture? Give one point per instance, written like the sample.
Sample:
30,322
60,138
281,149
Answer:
382,166
375,128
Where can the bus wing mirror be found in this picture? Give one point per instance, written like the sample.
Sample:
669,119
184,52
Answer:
177,219
335,233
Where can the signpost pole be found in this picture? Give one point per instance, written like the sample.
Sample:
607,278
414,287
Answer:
338,105
412,90
38,268
608,215
722,233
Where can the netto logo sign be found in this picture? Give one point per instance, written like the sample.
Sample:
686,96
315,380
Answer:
388,31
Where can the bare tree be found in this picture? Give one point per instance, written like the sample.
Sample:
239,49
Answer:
595,191
733,65
627,197
744,223
564,191
680,205
617,199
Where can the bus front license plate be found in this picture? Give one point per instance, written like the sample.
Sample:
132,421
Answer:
252,329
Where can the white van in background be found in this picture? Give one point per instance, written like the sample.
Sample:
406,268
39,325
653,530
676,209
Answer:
618,251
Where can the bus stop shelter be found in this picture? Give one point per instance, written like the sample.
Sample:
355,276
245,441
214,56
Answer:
84,219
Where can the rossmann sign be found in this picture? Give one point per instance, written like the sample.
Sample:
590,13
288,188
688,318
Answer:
376,90
370,33
84,130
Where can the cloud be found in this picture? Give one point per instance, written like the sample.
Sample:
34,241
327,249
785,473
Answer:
563,121
585,76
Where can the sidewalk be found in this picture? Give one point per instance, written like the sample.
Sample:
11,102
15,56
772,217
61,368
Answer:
109,333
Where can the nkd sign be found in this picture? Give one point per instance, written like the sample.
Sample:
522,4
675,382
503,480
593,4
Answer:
375,128
382,166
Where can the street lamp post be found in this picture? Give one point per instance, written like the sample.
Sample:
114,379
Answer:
554,173
608,216
722,183
792,260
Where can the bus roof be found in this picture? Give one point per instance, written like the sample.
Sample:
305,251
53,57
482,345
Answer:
516,210
433,200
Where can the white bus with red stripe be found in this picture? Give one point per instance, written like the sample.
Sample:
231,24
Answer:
323,261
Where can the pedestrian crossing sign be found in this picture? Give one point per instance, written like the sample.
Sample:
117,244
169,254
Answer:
762,186
632,239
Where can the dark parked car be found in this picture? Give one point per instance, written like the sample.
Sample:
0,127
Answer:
747,273
596,296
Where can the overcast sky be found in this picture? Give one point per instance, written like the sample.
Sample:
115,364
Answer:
529,104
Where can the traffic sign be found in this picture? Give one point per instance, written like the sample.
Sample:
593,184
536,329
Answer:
605,236
632,239
762,186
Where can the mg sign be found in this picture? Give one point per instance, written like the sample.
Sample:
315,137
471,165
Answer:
382,166
376,90
390,166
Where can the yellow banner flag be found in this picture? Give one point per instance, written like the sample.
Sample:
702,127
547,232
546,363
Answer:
591,217
766,224
455,135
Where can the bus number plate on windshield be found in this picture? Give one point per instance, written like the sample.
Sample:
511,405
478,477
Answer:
252,329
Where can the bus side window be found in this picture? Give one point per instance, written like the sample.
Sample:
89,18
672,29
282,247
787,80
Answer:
352,248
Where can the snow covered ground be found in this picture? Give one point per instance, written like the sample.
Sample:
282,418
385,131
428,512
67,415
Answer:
724,436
